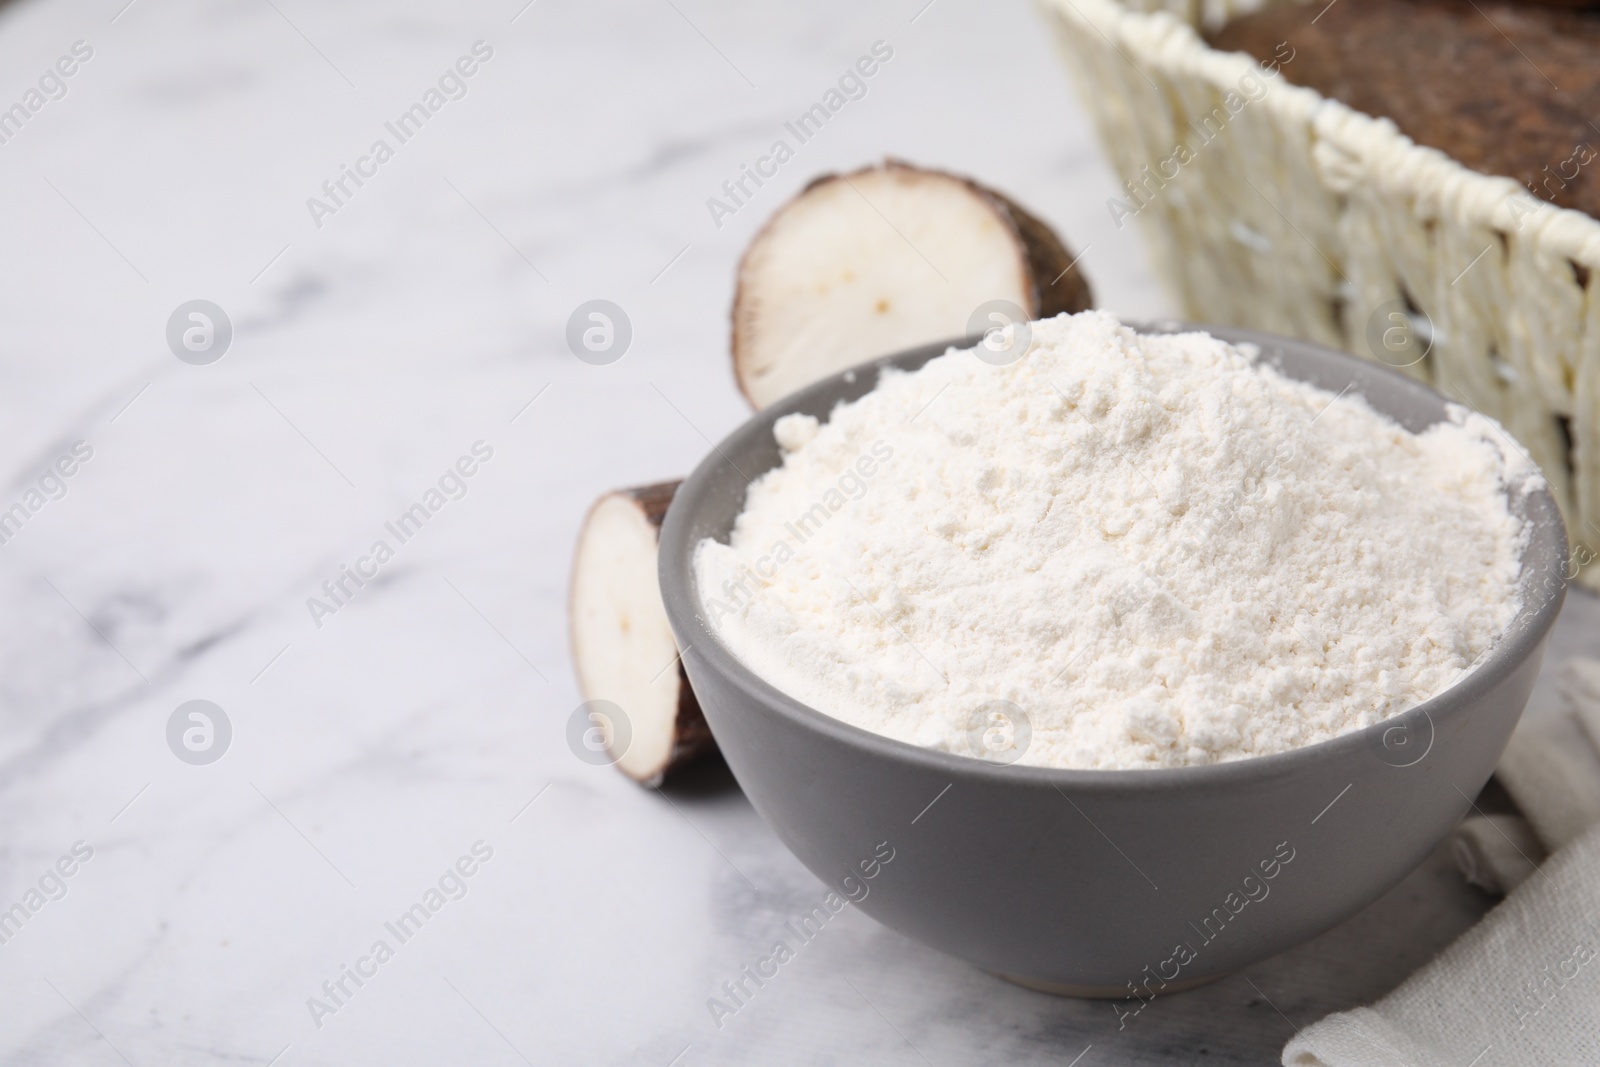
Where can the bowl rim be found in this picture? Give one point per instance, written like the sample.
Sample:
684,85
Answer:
700,641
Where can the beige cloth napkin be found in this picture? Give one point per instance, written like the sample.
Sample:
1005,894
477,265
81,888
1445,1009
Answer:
1551,768
1522,987
1496,853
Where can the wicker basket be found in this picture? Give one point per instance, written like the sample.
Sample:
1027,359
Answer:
1289,212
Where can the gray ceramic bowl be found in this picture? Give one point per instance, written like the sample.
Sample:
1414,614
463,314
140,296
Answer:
1105,883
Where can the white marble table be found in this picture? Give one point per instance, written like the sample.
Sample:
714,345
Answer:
372,346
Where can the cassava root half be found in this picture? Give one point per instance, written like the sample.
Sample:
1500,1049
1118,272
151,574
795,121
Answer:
856,266
864,264
621,643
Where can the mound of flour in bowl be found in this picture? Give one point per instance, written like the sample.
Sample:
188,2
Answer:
1153,551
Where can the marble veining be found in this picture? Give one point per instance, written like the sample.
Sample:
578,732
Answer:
425,718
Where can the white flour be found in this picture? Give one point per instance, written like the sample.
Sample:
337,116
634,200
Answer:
1160,552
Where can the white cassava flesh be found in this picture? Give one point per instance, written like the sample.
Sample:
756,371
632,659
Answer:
861,265
621,643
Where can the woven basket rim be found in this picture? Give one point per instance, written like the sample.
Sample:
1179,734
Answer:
1411,169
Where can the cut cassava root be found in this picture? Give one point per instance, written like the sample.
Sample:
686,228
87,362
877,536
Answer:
863,264
858,265
621,643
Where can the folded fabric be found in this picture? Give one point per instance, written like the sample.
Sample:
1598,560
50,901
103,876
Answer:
1521,988
1579,682
1496,853
1552,770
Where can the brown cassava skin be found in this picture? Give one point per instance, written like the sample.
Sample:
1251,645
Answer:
1053,279
1057,285
1503,87
691,736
